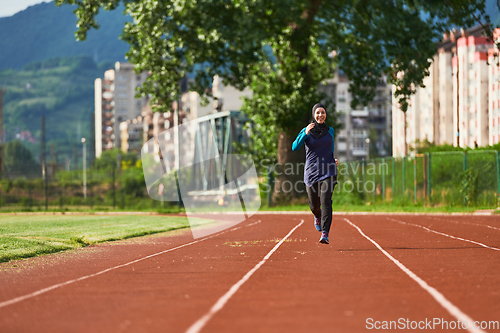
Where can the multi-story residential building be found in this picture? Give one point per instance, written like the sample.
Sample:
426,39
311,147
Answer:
420,117
451,106
494,93
132,134
104,112
226,98
442,71
153,123
116,102
350,142
471,72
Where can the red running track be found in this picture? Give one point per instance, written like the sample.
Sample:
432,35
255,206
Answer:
376,268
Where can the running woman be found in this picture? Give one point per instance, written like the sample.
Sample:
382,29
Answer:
320,173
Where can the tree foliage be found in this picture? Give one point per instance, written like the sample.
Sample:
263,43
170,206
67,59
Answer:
109,159
283,50
19,160
285,42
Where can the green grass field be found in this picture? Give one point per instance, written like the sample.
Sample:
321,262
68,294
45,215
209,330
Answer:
378,208
33,235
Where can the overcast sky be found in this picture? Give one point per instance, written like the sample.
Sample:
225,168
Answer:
10,7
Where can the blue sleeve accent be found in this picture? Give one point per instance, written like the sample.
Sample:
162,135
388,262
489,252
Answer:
299,141
332,133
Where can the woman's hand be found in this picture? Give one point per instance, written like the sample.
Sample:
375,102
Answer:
337,162
309,128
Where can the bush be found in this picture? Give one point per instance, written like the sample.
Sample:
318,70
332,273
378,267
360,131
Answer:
470,182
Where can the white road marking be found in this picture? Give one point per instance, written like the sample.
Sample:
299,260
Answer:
59,285
458,222
445,303
198,325
443,234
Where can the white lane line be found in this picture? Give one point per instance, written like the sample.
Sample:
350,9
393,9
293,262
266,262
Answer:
443,234
458,222
198,325
59,285
450,307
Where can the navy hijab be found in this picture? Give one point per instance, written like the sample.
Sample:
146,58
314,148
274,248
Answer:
319,130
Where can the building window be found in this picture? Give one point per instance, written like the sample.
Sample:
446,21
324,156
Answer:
122,111
121,95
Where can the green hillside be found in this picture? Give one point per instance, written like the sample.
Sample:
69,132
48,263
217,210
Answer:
62,90
45,31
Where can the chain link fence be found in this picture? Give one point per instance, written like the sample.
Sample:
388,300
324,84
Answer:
441,178
433,179
108,189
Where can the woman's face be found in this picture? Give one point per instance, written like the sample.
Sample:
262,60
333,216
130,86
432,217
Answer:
320,115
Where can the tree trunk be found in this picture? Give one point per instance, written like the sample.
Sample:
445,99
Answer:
289,170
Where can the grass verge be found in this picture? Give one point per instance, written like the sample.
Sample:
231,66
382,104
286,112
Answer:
378,208
29,236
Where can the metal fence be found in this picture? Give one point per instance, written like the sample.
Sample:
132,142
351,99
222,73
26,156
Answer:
104,189
441,178
115,186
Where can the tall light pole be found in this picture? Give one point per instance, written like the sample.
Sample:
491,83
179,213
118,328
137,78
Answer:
367,148
84,168
2,163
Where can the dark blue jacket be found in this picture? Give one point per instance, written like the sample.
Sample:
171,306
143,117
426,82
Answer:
320,163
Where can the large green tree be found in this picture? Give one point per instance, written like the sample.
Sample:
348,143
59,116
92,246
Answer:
283,50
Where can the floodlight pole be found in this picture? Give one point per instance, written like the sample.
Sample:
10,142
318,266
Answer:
177,143
84,168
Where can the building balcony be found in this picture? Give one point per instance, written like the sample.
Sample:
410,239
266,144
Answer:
377,112
378,126
135,136
358,152
359,113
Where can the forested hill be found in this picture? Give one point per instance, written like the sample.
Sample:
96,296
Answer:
45,31
62,90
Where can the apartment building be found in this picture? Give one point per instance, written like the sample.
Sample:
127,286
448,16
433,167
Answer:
471,72
452,105
420,117
150,124
131,135
350,142
116,102
494,93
